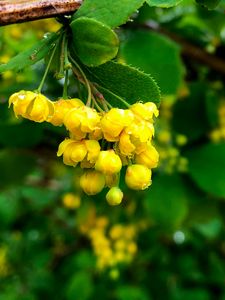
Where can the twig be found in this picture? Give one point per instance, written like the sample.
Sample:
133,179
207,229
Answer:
19,11
190,50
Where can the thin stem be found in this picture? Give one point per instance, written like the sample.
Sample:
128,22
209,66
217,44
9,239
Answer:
47,69
116,96
65,94
85,79
97,106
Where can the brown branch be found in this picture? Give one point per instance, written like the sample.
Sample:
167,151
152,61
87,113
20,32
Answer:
196,53
18,11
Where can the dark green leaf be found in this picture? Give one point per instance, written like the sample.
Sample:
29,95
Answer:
14,166
110,12
190,116
166,200
126,82
206,167
210,4
93,42
163,3
16,135
131,293
80,287
30,56
155,55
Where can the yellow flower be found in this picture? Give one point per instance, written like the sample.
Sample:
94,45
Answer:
138,177
141,130
125,145
145,111
62,106
92,182
114,196
83,118
114,121
33,106
73,152
148,157
71,200
108,162
93,149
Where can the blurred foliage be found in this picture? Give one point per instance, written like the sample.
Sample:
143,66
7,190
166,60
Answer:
56,242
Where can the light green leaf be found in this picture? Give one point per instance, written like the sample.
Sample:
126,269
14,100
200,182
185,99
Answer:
166,200
126,82
30,56
163,3
156,55
93,42
210,4
110,12
206,167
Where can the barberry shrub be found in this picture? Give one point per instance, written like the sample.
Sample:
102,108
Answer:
112,153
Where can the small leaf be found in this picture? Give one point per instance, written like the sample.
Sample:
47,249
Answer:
206,167
210,4
132,85
163,3
93,42
110,12
30,56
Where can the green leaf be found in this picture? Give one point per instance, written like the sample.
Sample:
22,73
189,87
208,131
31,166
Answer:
80,287
166,200
189,114
131,293
9,208
15,166
210,4
155,55
206,167
30,56
15,135
93,42
110,12
163,3
126,82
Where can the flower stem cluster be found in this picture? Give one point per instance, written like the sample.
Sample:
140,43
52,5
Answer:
100,142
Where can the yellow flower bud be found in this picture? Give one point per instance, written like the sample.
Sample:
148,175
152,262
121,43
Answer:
138,177
92,182
73,152
71,201
111,180
84,118
108,162
145,110
114,121
149,157
62,106
114,196
33,106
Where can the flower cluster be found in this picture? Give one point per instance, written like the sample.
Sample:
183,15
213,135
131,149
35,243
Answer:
113,246
100,142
